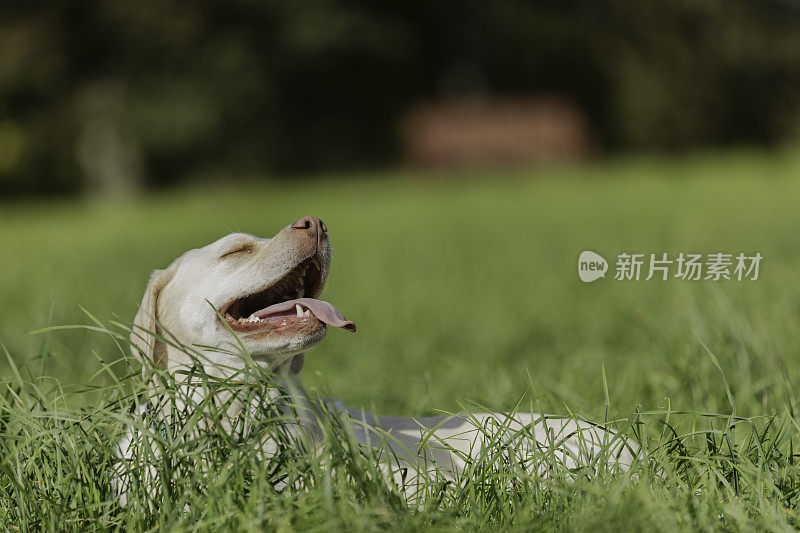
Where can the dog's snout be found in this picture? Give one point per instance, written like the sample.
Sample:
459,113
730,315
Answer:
312,225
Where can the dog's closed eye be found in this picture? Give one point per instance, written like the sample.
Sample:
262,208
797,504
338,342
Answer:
240,248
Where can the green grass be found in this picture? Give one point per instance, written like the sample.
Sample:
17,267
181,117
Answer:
464,290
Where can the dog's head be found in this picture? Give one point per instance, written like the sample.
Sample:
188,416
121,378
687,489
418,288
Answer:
263,289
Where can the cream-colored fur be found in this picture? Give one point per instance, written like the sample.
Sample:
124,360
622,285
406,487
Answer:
182,301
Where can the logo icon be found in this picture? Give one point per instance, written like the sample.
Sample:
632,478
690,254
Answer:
591,266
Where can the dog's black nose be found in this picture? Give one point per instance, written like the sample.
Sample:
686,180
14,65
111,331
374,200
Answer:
312,225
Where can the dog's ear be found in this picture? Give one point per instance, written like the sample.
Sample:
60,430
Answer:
297,363
143,342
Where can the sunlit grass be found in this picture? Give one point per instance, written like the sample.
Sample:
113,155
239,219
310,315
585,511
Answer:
464,290
197,467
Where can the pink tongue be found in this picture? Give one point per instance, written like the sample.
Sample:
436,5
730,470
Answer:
324,312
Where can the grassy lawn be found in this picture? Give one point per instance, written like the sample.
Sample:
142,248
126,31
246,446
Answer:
464,289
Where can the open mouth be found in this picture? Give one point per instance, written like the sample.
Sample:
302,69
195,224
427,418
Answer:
287,304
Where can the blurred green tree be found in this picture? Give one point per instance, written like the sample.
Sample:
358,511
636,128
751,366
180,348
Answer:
115,95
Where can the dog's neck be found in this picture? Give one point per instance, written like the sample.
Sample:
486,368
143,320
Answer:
227,365
221,370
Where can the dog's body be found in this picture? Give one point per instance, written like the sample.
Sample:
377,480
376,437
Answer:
264,291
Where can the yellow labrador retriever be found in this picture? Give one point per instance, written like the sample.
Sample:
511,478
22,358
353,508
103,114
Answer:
265,290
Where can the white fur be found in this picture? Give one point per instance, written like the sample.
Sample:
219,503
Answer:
181,303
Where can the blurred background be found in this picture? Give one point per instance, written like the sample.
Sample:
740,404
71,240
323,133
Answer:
462,154
111,98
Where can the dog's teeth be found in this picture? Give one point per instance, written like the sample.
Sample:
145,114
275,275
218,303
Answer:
299,310
308,312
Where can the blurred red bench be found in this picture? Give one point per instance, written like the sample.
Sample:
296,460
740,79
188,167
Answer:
493,131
